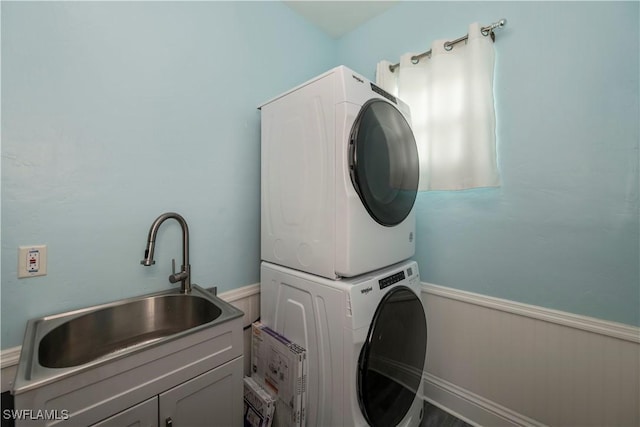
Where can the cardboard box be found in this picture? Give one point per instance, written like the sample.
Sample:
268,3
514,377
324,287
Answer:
279,365
259,405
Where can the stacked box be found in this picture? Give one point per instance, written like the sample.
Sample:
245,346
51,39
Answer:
279,365
259,405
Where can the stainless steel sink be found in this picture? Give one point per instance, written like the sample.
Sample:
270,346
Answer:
114,329
62,344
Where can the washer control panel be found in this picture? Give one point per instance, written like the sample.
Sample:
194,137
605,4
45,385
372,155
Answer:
391,280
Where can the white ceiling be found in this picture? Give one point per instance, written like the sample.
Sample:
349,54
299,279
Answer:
337,18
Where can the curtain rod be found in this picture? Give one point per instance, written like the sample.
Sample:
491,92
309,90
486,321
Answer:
488,30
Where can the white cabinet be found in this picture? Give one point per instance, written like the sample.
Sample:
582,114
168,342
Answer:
144,414
193,380
213,399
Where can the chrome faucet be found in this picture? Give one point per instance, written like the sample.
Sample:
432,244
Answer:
183,276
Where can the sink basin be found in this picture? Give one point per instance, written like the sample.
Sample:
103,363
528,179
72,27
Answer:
115,329
65,344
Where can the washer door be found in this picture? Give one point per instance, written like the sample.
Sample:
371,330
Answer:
383,162
392,358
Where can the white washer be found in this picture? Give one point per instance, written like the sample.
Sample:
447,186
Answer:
339,177
366,340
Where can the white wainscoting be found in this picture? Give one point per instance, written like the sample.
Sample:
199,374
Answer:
495,362
246,299
8,366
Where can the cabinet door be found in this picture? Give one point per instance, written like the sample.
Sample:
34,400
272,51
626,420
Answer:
213,399
144,414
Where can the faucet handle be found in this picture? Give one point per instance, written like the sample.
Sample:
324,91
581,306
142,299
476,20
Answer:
177,276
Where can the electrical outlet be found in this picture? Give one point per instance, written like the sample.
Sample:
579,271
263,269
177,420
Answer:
32,261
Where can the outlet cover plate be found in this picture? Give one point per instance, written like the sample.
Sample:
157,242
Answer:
32,261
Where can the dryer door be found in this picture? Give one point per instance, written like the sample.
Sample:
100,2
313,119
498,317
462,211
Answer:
383,162
392,358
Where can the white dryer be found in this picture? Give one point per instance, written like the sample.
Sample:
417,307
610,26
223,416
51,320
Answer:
366,340
339,177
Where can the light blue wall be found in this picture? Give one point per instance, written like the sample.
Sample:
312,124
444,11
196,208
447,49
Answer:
562,231
114,112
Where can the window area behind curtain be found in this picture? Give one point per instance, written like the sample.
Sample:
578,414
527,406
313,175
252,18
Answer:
452,111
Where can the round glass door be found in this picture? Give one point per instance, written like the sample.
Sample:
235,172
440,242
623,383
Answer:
392,358
383,162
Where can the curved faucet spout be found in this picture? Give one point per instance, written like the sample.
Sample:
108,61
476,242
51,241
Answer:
184,276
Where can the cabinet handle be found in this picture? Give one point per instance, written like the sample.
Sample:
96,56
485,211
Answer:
169,422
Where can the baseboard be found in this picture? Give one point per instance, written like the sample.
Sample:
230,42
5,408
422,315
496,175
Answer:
470,407
494,362
243,297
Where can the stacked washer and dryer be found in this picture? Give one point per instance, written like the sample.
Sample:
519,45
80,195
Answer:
339,181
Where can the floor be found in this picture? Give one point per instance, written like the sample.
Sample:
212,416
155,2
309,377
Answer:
436,417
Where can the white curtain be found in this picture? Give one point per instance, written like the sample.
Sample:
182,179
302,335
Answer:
452,113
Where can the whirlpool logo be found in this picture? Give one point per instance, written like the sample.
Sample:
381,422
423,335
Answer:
357,78
366,290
